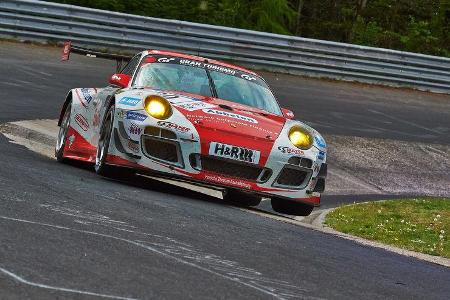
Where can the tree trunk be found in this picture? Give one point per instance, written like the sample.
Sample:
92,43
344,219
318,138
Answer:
362,4
299,15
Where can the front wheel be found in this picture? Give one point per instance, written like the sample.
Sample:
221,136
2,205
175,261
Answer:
241,198
290,207
101,167
62,135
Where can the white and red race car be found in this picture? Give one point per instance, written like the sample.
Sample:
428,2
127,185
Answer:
201,120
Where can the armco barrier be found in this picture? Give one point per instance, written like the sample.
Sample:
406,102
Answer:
39,20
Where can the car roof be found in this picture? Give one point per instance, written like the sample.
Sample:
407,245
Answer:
199,58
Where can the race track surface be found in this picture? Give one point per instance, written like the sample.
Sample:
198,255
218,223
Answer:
67,233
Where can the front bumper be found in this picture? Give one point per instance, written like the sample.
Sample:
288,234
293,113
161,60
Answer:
178,154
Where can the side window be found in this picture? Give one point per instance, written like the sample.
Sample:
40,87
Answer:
131,66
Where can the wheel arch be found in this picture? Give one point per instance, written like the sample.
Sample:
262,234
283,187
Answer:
63,109
110,100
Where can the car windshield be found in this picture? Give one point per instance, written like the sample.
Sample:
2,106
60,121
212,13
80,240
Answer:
192,77
245,89
174,77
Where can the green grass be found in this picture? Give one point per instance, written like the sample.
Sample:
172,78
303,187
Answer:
419,224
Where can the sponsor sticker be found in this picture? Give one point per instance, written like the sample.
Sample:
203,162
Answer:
192,63
234,152
320,141
133,146
192,106
208,66
134,129
165,59
132,115
289,150
116,77
177,99
156,57
82,122
86,95
228,181
248,77
174,126
129,101
168,95
230,115
289,114
321,155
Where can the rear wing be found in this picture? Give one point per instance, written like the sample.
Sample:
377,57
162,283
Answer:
69,48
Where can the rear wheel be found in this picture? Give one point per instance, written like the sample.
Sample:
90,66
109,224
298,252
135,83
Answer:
62,135
289,207
241,198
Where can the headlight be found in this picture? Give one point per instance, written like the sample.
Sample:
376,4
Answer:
158,107
300,137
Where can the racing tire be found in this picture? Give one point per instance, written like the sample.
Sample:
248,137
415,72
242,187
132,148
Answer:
241,198
62,135
289,207
101,167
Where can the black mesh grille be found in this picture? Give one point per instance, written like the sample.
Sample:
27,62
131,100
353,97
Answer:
295,160
300,161
306,163
292,177
160,132
152,130
160,149
230,168
168,134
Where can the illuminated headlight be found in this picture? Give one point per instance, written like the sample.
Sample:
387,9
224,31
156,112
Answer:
158,107
300,137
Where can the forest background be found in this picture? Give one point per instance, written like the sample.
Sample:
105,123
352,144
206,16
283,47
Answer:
421,26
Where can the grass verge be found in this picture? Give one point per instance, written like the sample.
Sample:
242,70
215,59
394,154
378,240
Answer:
419,224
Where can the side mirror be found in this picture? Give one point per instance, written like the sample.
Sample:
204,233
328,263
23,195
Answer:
287,113
121,80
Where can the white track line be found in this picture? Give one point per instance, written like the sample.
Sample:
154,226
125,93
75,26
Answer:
60,289
234,279
404,121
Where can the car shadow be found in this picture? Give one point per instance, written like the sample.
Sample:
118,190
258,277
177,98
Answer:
146,183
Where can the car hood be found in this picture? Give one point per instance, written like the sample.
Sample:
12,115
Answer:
226,117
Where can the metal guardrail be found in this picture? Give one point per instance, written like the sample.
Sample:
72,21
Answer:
39,20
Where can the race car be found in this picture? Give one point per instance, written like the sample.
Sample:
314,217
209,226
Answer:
199,120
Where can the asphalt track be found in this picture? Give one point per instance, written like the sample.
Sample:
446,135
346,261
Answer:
67,233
